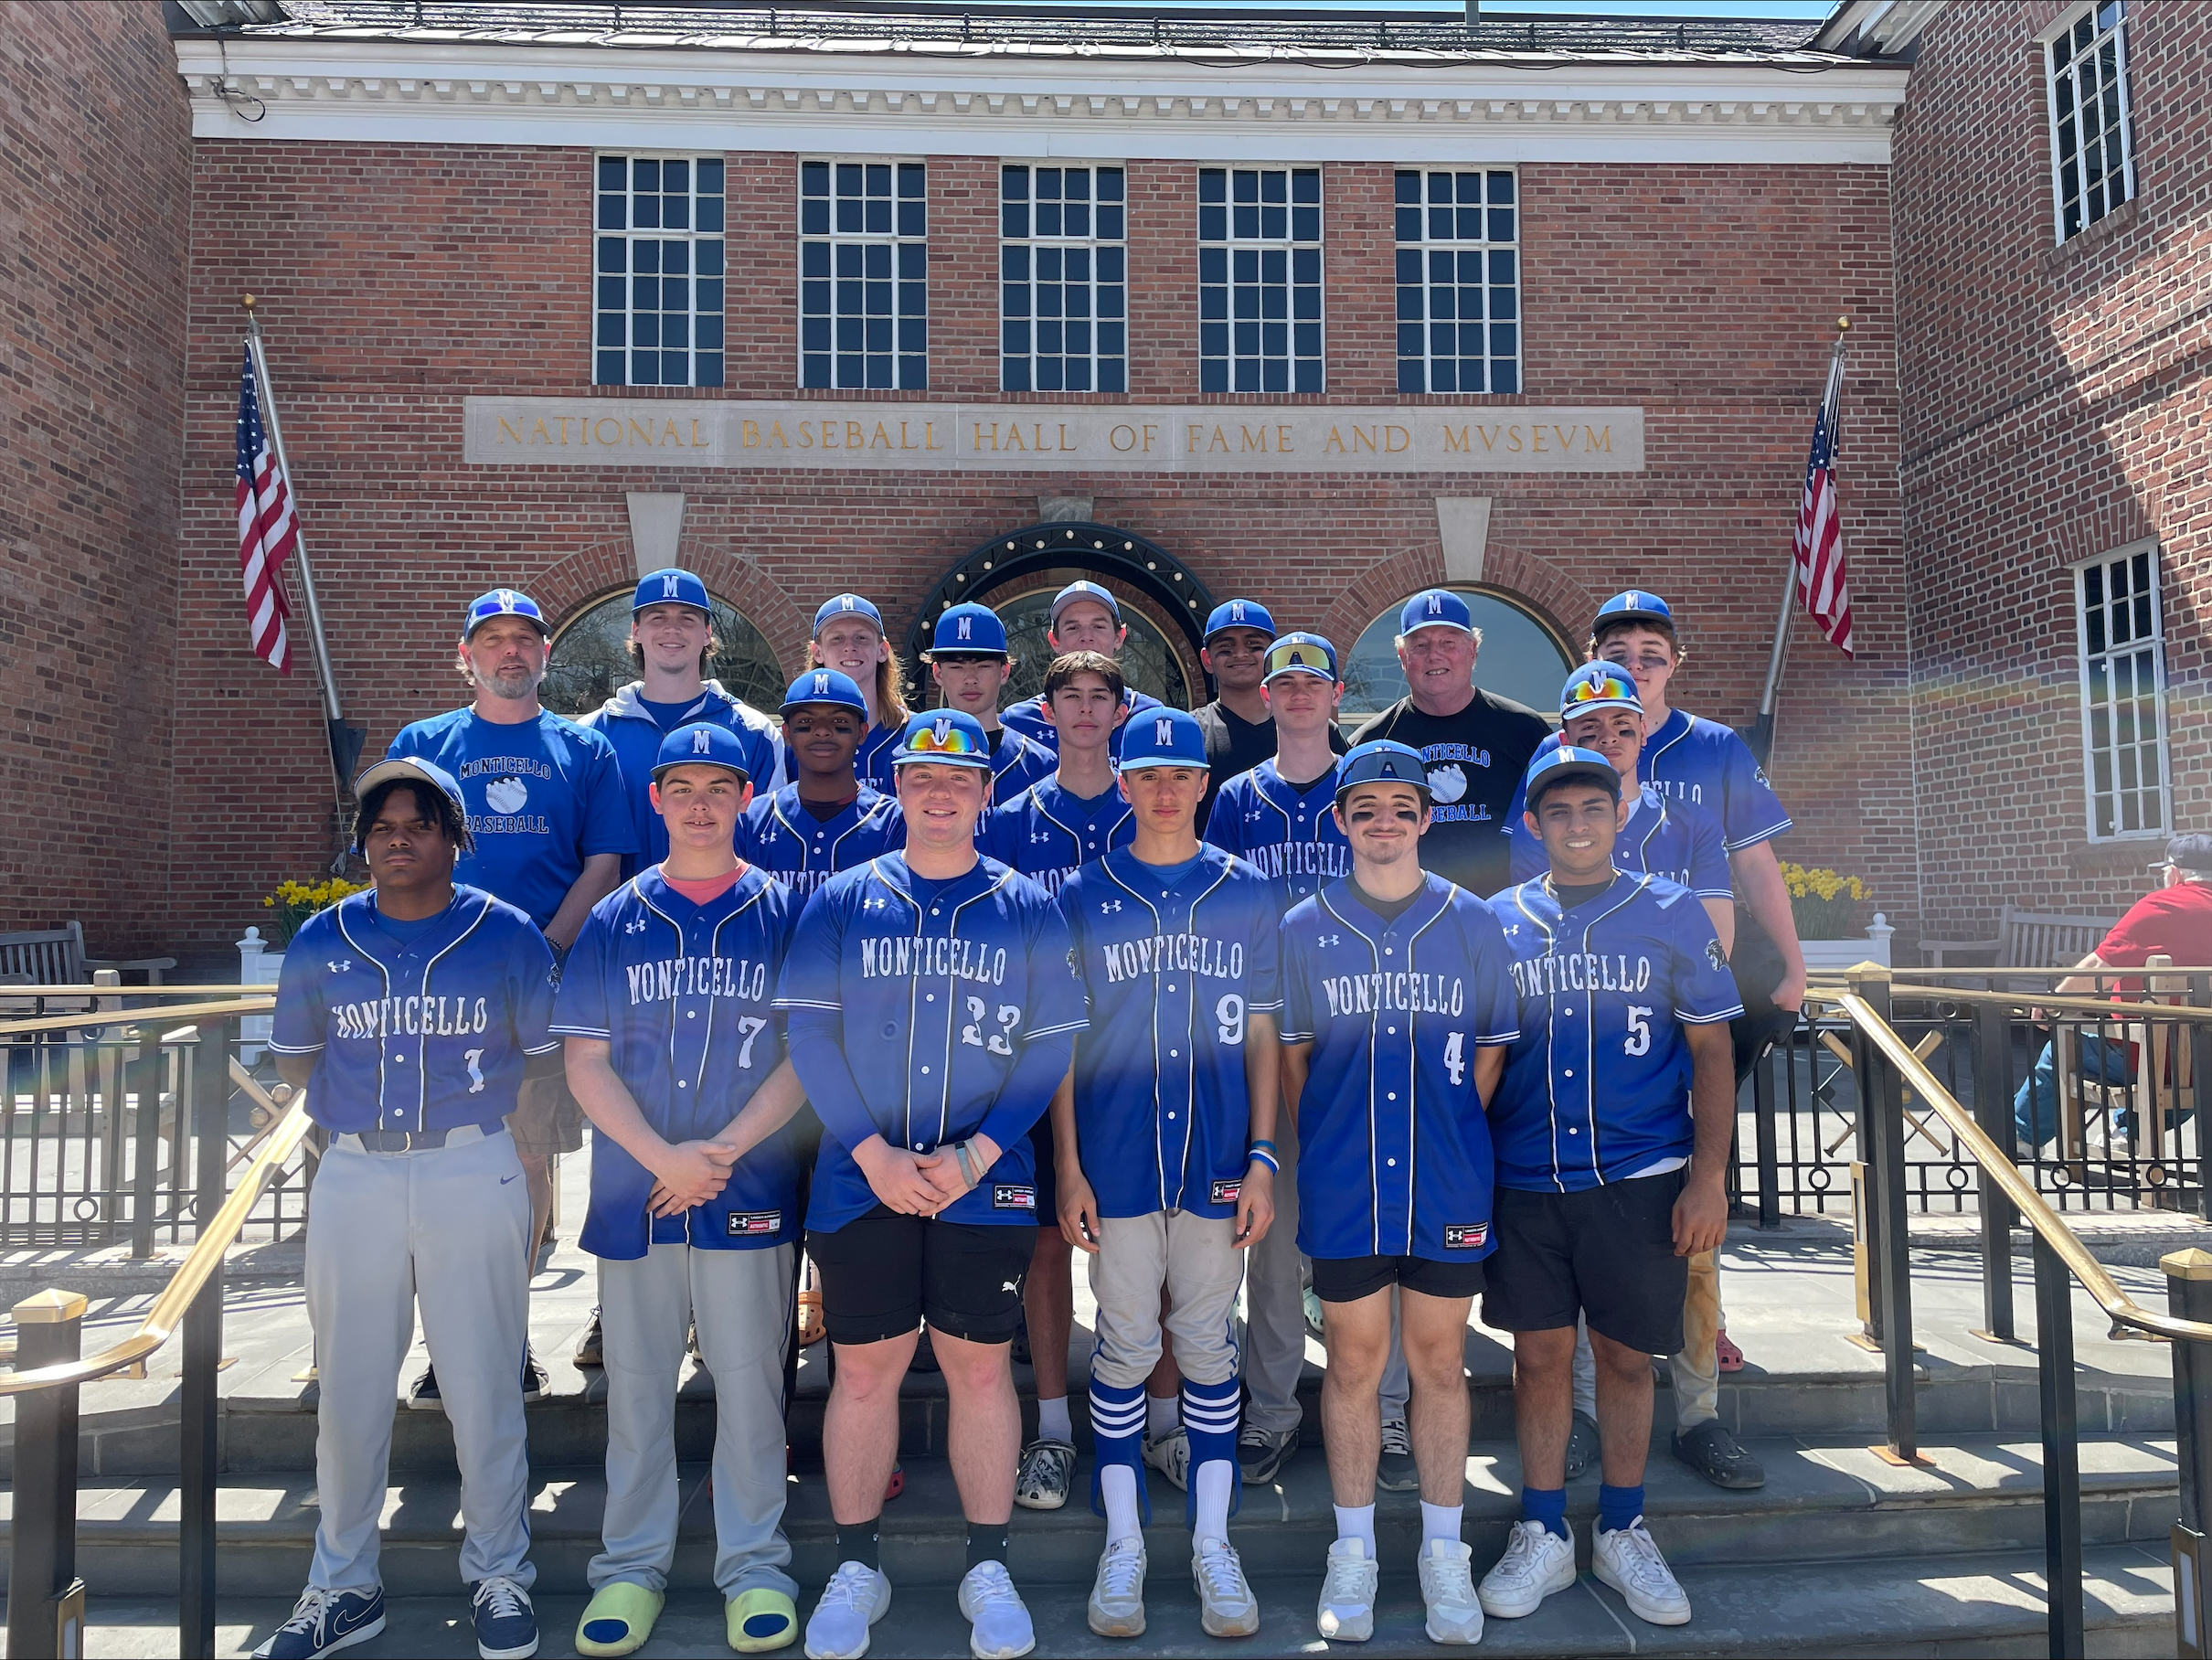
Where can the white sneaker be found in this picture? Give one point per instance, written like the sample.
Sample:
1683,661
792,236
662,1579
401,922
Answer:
1170,1456
1346,1614
1536,1563
1226,1607
855,1599
1629,1560
1117,1595
1455,1615
990,1604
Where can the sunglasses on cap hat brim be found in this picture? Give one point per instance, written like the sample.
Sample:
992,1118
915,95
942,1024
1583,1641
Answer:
1299,657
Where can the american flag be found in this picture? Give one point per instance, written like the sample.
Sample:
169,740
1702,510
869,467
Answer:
267,531
1821,579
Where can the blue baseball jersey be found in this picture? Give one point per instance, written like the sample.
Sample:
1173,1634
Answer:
779,835
684,996
1674,840
927,1012
416,1028
1597,1088
636,729
1027,717
1045,832
1703,765
872,763
1289,837
1016,764
543,796
1393,1148
1172,975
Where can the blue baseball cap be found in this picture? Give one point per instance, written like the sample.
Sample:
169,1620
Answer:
825,685
410,769
1163,738
671,587
504,603
951,738
847,605
1636,606
1382,761
1436,608
1083,591
1300,654
1239,613
1564,765
702,744
1598,685
968,631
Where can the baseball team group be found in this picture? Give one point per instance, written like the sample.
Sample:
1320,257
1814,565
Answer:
881,1017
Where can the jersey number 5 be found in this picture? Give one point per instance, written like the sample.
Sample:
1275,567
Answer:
1002,1040
1638,1040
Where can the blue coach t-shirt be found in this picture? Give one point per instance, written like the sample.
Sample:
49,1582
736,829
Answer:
543,796
416,1029
1597,1088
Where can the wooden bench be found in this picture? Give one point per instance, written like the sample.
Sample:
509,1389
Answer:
54,956
2025,939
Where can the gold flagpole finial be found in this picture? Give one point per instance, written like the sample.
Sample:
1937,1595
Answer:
247,300
1842,325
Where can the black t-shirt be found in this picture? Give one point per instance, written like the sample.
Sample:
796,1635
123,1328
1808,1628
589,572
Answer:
1476,759
1235,745
1390,910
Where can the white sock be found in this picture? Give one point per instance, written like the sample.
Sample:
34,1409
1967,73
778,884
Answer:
1118,1486
1052,1419
1357,1522
1162,1415
1440,1522
1212,1481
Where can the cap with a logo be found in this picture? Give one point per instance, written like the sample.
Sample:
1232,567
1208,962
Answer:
968,631
671,587
949,738
1083,591
1239,613
413,771
1300,654
1598,685
701,744
504,603
2189,853
1382,761
1564,765
1636,606
825,685
847,605
1436,608
1163,738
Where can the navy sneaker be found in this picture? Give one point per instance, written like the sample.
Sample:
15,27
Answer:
422,1395
323,1622
507,1629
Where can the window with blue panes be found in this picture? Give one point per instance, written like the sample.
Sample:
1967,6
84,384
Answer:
1064,279
659,272
1459,282
1260,280
864,275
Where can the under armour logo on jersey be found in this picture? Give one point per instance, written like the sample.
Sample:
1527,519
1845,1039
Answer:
877,904
1162,731
1326,940
637,927
340,966
1040,835
967,627
1110,907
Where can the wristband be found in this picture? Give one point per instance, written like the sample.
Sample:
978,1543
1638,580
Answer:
1267,1144
967,1167
1260,1155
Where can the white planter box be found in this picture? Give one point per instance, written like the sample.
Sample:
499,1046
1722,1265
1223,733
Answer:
1835,955
257,965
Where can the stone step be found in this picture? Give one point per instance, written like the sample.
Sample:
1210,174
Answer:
1976,1604
1824,1502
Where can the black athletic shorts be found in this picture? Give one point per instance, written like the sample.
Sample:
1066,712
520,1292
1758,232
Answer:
883,1272
1607,1253
1348,1279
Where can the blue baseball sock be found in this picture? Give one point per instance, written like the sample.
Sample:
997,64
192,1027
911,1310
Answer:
1117,1429
1617,1507
1210,1412
1546,1504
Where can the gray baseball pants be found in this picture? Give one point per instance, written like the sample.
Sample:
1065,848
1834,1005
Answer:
741,1302
1197,1259
442,1229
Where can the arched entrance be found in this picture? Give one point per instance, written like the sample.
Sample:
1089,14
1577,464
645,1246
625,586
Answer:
1016,574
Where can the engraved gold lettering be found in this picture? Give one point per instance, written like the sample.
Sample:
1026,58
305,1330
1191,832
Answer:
1598,438
599,430
1396,439
1455,441
1116,440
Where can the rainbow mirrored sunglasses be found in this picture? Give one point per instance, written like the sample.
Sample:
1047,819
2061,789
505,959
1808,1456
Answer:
944,737
1600,686
1306,655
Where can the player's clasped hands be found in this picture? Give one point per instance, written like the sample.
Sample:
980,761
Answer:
692,1173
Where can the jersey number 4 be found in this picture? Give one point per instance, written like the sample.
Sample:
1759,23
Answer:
1455,1056
1002,1040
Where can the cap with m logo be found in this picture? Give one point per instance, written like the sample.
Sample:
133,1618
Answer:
670,586
1436,608
1174,739
824,687
703,743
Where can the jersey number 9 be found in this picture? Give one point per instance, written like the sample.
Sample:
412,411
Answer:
1229,1017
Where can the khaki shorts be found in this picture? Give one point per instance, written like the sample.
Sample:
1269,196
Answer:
549,1121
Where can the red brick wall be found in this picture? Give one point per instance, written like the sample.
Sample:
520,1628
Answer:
2057,410
399,280
95,203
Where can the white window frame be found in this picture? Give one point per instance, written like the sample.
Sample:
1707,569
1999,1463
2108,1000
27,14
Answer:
837,238
2157,642
1090,244
1232,244
1426,244
692,236
2044,43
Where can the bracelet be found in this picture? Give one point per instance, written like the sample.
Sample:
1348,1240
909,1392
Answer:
1260,1155
1267,1144
967,1169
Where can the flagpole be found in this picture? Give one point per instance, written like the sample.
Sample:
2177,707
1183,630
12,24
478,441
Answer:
1761,736
344,742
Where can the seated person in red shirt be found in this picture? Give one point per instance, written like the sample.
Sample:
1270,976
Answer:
2175,921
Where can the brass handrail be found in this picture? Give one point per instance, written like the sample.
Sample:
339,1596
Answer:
2114,1007
96,1020
2018,1190
161,1321
2060,969
28,988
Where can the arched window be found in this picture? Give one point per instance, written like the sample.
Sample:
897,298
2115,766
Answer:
1148,662
590,657
1522,657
